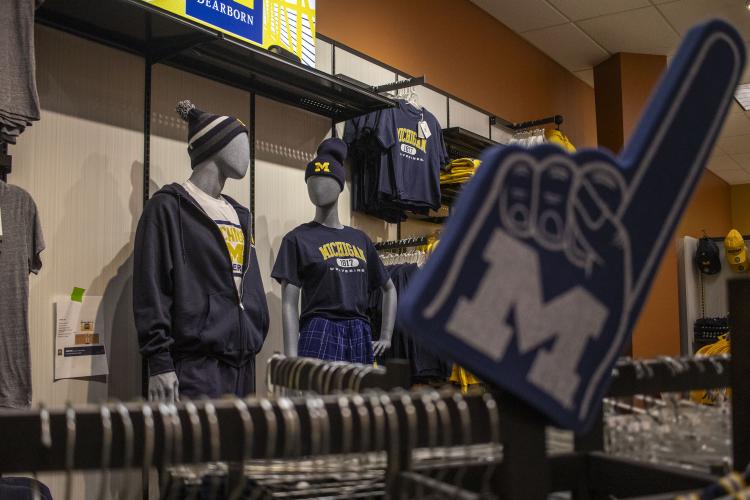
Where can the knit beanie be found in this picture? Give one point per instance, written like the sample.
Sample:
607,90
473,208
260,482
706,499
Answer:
329,161
207,133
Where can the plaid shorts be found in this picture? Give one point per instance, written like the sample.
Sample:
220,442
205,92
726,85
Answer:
336,340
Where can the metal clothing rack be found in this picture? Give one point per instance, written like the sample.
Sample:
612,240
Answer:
308,374
403,243
556,119
6,162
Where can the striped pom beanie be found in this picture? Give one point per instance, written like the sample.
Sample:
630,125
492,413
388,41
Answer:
207,133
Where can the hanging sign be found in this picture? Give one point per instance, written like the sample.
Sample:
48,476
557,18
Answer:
543,268
289,24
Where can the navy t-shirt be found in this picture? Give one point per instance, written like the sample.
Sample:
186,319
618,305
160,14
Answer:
416,161
335,268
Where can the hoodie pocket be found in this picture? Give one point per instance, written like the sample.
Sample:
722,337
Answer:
221,331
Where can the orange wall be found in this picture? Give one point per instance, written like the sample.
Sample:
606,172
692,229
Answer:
464,51
658,329
741,208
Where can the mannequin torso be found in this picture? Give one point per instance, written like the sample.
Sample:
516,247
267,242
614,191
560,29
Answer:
324,193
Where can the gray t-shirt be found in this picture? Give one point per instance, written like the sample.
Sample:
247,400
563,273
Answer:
20,245
18,92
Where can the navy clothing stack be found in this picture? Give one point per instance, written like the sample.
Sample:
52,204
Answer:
396,154
425,365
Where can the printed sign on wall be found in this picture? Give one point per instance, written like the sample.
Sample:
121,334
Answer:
289,24
543,268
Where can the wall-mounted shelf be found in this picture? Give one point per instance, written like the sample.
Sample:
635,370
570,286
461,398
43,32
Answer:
163,37
464,143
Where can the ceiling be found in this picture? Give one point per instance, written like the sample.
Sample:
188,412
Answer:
579,34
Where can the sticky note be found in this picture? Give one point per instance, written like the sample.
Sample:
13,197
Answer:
77,294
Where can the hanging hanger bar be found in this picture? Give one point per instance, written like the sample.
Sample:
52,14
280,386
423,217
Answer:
556,119
404,243
401,84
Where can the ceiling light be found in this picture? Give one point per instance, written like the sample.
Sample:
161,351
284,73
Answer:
742,95
747,4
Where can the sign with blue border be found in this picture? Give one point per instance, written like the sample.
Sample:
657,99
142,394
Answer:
235,16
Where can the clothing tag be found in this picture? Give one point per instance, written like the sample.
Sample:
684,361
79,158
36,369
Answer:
424,130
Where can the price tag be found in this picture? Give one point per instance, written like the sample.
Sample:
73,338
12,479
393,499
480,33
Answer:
423,130
544,266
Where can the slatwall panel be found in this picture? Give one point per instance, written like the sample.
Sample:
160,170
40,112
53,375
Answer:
169,158
462,115
82,163
286,140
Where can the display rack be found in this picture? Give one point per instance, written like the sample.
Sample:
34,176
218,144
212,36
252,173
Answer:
162,37
462,143
518,126
403,243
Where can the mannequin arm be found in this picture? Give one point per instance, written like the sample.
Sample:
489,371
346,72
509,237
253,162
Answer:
290,317
390,305
164,387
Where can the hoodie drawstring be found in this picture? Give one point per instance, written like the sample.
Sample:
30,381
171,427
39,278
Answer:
182,237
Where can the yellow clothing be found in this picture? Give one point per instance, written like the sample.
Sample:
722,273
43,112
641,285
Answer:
554,136
463,378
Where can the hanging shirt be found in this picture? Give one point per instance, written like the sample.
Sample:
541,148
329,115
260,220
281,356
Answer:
225,217
415,158
335,268
21,242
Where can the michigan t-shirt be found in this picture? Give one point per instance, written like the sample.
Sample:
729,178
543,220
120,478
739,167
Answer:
335,268
225,217
416,160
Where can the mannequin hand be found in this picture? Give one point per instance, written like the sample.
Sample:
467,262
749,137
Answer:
164,387
379,347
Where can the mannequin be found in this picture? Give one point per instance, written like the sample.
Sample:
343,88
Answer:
199,301
231,162
324,192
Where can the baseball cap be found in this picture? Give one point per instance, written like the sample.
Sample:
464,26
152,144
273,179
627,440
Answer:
736,251
707,256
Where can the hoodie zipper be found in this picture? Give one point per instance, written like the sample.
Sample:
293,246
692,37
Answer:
242,279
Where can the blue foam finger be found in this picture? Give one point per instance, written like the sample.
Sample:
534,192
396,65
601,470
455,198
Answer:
544,311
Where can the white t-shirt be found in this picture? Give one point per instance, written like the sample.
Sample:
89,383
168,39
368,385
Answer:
225,216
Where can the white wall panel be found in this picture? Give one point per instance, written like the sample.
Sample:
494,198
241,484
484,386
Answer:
82,163
286,140
169,157
361,69
462,115
500,134
323,56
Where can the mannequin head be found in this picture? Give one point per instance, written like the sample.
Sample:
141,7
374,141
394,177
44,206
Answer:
232,160
323,191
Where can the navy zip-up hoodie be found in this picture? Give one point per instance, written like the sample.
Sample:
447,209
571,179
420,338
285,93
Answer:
184,295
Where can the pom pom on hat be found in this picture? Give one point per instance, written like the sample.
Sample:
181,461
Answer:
184,108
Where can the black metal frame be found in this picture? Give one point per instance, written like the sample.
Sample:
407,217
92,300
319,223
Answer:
6,162
160,36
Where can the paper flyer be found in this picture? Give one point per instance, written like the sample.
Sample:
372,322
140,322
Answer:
79,339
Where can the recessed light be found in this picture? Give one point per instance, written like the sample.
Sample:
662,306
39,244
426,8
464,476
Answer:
742,95
747,4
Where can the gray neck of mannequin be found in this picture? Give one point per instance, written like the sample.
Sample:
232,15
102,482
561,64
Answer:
328,215
208,177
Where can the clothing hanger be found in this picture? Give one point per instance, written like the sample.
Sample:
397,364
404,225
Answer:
70,447
106,420
128,444
45,437
148,445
